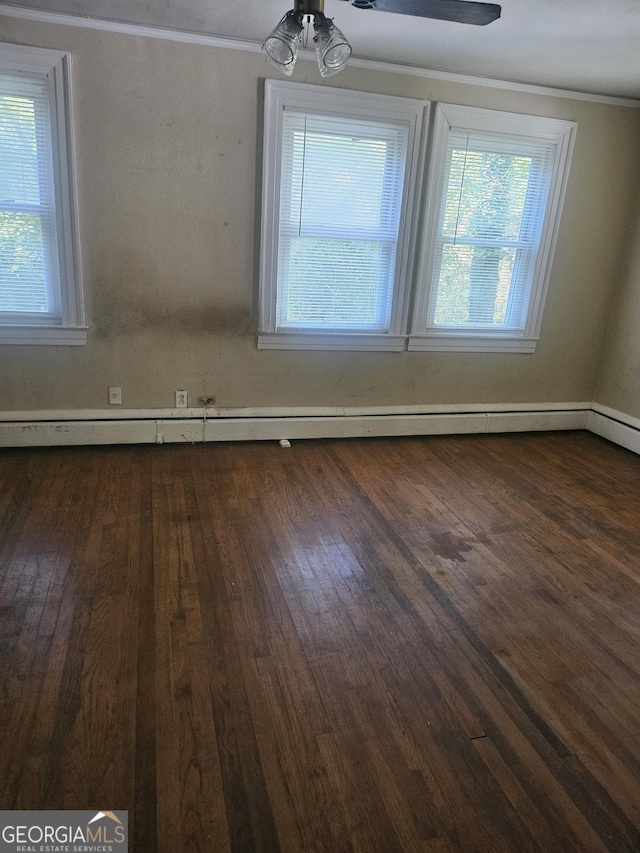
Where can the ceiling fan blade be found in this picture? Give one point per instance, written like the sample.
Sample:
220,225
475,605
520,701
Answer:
460,11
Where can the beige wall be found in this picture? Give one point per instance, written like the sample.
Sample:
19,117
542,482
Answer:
619,380
168,141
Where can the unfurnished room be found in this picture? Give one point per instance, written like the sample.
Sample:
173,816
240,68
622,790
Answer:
319,426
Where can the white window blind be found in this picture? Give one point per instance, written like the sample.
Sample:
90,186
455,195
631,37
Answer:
339,215
29,266
490,224
342,193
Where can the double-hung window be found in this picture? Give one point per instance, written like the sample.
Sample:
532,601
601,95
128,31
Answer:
496,181
40,295
341,267
340,175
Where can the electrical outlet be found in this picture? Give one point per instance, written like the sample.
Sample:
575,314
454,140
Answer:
181,399
206,400
115,396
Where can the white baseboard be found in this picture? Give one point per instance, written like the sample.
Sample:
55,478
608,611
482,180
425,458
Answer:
158,426
94,427
615,426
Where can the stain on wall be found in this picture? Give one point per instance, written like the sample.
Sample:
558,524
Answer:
168,183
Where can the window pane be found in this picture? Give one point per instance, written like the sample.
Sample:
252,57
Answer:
19,170
474,285
338,180
491,219
486,195
29,263
340,203
335,283
22,275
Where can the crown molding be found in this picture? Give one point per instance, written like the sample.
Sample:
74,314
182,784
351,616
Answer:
187,37
494,83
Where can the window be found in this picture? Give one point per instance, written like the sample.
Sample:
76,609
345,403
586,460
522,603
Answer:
340,171
341,202
496,182
40,296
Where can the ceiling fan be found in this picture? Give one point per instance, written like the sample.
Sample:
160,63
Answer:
332,48
460,11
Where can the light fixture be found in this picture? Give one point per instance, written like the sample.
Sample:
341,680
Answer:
281,45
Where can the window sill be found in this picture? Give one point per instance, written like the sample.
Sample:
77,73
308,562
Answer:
332,341
44,335
470,343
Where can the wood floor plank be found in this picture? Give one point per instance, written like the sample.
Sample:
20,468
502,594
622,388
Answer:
420,644
187,766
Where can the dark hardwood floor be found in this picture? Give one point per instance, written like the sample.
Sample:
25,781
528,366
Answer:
373,646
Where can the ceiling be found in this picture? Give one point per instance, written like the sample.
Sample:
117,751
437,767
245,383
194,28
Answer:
584,45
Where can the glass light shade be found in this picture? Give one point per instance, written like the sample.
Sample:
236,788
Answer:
281,45
332,48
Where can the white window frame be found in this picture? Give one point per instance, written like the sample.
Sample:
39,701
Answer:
449,117
339,102
54,67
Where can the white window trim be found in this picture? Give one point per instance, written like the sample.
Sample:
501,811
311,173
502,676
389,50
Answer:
450,116
345,341
350,103
55,66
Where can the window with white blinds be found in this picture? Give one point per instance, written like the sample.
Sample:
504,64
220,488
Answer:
340,173
40,296
340,201
341,267
491,220
29,270
495,187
